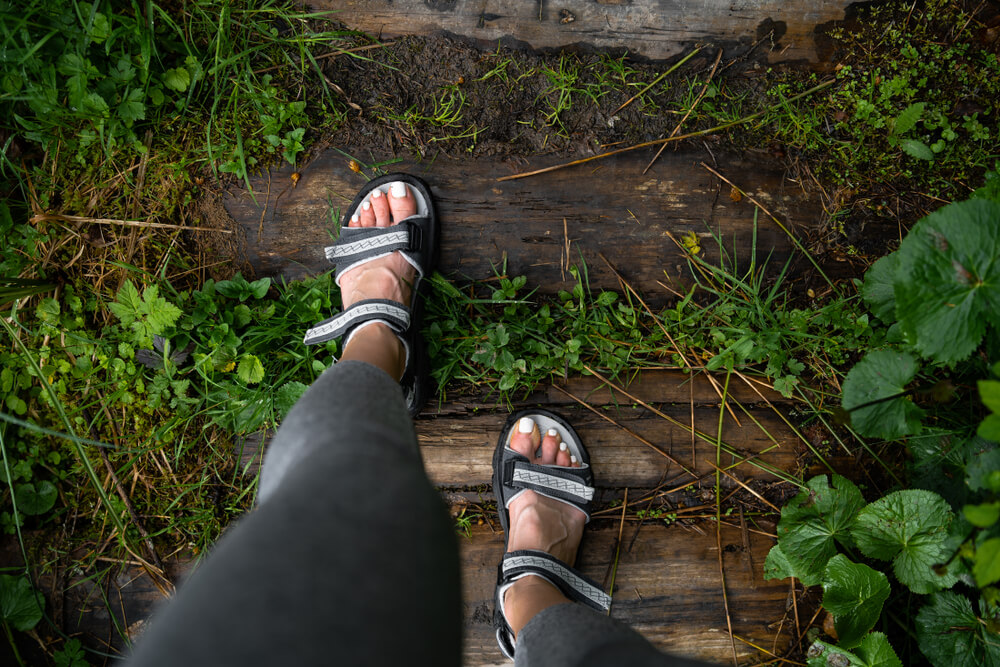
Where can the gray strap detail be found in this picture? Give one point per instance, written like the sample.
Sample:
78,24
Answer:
383,243
392,313
598,597
532,475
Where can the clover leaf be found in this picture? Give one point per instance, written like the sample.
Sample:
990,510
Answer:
910,528
947,284
873,393
811,523
36,498
854,594
873,651
951,635
20,604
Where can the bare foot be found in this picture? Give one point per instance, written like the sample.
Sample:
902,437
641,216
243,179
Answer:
540,523
389,277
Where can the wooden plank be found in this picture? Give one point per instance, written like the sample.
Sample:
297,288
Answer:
653,29
609,207
458,452
667,587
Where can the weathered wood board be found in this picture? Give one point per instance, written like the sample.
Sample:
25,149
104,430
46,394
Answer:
610,207
667,587
653,29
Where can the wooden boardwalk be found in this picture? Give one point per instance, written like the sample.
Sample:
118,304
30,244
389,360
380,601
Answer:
668,583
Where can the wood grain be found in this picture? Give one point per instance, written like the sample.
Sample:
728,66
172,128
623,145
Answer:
652,29
610,208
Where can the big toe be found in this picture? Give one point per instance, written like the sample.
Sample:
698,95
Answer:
402,203
525,438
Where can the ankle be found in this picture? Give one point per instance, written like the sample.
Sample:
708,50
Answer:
527,597
379,346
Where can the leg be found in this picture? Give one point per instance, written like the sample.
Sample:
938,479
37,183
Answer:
350,557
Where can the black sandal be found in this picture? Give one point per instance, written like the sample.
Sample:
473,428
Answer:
416,239
512,475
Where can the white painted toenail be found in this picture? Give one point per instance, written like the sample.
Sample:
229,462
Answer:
366,205
572,459
563,446
552,432
376,193
526,425
398,190
354,218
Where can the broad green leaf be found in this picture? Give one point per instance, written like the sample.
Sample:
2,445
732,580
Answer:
909,528
908,118
989,394
36,499
132,108
917,149
20,604
951,635
876,383
260,287
177,79
854,594
982,469
776,565
813,521
989,428
873,651
287,395
878,287
986,567
948,282
126,304
250,370
984,515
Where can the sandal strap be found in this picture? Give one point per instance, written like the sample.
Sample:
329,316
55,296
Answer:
391,313
572,583
357,245
566,484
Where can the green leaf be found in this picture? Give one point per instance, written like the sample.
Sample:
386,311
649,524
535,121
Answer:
989,394
854,593
287,395
260,287
989,428
986,566
20,605
910,528
132,108
878,287
876,383
948,282
983,468
873,651
813,521
776,565
984,515
250,370
33,500
951,635
908,118
917,149
126,304
177,79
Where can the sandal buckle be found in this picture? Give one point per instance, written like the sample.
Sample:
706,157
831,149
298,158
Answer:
416,237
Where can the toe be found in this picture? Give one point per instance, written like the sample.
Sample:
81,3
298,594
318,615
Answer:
355,220
562,457
525,438
550,447
365,214
401,201
380,207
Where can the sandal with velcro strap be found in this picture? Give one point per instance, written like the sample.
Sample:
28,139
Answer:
513,474
416,239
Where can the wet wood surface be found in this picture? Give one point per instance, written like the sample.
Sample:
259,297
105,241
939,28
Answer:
610,208
653,29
